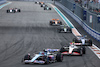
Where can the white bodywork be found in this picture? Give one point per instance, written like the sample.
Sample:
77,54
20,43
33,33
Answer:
71,48
10,10
65,29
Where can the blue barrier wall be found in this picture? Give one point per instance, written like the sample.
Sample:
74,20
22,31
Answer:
79,18
2,1
79,12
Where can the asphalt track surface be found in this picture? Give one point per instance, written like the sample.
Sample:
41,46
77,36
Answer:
30,32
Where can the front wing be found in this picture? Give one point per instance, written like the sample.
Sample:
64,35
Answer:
73,53
36,61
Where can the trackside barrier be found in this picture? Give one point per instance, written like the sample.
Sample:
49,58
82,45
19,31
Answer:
88,29
2,1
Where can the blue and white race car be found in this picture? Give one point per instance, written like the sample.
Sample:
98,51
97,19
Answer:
44,57
83,40
43,5
47,8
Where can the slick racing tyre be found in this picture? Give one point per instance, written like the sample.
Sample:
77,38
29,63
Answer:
80,51
59,57
7,11
50,23
69,29
84,50
90,42
41,6
60,22
19,10
62,50
49,8
35,2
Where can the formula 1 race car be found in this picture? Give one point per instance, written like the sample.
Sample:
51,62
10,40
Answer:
64,28
47,8
36,2
73,50
83,40
44,57
55,22
13,10
43,5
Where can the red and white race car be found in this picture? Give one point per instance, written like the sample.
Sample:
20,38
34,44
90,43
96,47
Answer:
73,49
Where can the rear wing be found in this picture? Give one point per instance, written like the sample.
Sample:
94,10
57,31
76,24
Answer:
52,50
55,19
80,44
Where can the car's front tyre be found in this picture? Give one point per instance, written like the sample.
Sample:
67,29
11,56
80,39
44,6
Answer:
59,57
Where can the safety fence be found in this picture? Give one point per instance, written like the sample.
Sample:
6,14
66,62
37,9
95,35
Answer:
83,17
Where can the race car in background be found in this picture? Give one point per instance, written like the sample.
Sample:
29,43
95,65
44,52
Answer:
13,10
83,40
43,5
64,28
44,57
36,2
72,49
55,22
47,8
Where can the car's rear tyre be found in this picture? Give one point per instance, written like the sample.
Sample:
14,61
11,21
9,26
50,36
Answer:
90,42
62,50
19,10
59,57
49,8
50,23
35,2
41,6
69,29
7,11
80,51
84,50
60,23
